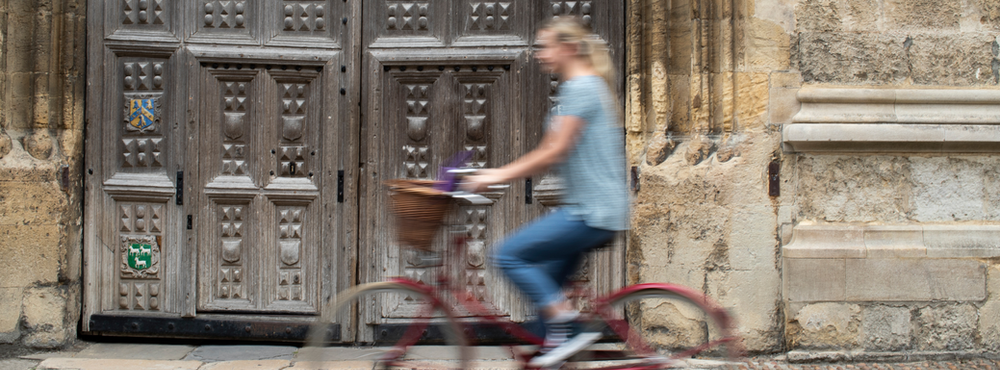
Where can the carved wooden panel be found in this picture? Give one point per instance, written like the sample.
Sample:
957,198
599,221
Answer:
142,144
260,179
229,256
138,256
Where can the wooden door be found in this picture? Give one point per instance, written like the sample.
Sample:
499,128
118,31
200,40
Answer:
222,137
235,164
447,76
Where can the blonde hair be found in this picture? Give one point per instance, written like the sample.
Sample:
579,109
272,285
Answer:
570,29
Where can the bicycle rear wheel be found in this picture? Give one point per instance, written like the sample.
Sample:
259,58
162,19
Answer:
391,348
663,326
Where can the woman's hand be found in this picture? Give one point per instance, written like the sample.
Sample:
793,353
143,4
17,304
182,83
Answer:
482,179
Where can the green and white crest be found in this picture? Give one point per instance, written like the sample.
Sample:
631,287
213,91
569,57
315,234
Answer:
140,256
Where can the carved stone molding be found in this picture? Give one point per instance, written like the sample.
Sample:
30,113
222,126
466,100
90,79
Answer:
895,120
904,263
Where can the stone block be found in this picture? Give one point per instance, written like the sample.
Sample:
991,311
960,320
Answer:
947,189
135,351
915,280
27,203
895,241
825,325
814,280
826,241
751,296
10,314
45,318
752,241
952,241
248,364
115,364
852,58
818,16
989,313
952,60
673,324
946,327
768,46
751,100
782,105
990,13
886,328
30,254
923,15
854,188
211,353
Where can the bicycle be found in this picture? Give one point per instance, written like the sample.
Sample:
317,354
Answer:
619,315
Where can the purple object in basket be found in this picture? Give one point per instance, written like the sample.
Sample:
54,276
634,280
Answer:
447,180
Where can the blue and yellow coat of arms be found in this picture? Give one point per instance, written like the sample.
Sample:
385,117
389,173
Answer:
141,113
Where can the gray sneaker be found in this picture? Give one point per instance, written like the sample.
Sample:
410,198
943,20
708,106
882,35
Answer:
565,350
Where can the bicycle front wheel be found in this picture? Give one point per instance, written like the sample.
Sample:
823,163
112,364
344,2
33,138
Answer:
665,325
390,345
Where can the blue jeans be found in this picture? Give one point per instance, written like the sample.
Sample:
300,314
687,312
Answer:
541,256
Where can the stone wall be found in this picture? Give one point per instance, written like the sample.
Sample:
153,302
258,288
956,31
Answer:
879,239
42,60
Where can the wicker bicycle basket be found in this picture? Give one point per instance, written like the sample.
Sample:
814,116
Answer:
419,211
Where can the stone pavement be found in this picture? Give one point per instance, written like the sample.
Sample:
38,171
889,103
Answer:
128,356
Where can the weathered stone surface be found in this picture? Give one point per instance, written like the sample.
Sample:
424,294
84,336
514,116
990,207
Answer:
698,149
851,189
834,15
135,351
952,59
951,189
946,327
989,312
31,203
115,364
746,294
852,58
10,314
915,280
897,241
751,101
323,365
767,46
30,254
923,15
660,148
886,328
782,105
248,364
825,325
5,143
672,324
990,13
45,317
826,241
212,353
818,16
39,144
951,241
815,280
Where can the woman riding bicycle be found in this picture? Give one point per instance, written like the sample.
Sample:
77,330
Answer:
585,143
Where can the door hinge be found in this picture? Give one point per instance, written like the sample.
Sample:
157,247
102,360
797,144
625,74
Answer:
189,226
180,188
340,186
527,191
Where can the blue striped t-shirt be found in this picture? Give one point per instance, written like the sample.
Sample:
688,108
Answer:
594,171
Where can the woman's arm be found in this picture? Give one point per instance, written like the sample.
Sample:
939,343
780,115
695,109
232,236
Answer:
555,146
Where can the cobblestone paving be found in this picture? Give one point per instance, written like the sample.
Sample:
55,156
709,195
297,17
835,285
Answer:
921,365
